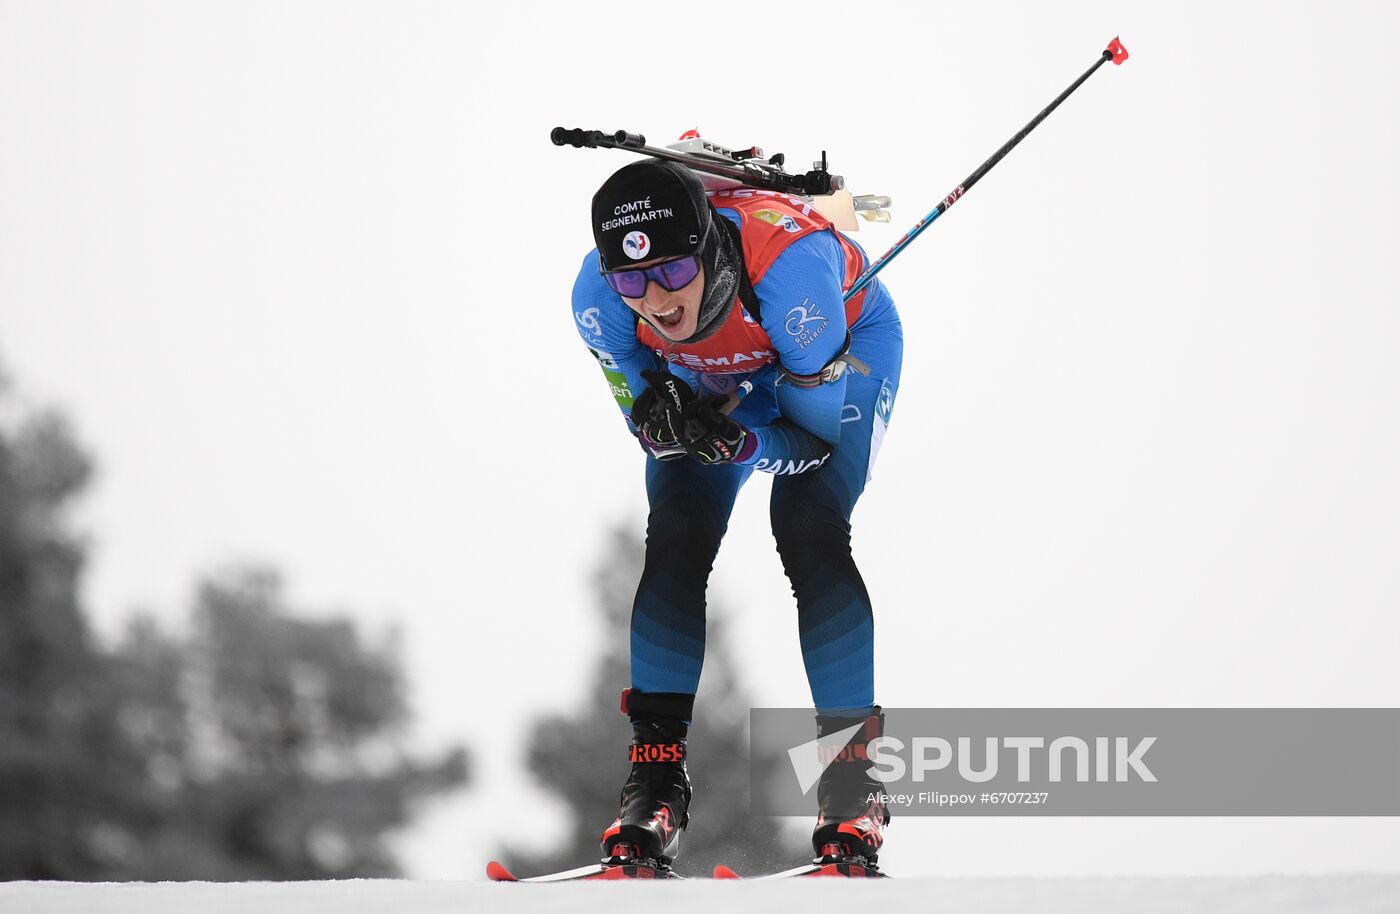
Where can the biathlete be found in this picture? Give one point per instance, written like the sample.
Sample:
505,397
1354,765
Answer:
718,320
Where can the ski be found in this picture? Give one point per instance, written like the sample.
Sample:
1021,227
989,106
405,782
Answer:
839,865
847,870
496,872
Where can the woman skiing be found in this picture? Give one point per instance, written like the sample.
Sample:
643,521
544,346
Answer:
718,320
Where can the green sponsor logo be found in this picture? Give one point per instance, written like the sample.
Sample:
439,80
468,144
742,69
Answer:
620,391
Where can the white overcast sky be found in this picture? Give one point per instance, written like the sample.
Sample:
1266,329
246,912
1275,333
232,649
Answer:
299,272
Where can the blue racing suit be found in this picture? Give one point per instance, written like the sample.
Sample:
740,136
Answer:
818,438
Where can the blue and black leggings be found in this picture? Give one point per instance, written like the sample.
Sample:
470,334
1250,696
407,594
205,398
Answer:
690,504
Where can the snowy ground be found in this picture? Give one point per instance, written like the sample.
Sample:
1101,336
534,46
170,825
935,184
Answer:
1271,894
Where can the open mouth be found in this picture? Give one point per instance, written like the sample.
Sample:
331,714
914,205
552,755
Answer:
669,320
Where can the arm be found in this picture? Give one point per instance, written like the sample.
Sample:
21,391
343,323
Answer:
807,432
608,329
806,319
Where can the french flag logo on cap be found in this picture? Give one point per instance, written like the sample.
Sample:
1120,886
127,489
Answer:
636,245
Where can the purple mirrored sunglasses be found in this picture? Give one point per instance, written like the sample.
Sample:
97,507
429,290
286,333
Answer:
673,275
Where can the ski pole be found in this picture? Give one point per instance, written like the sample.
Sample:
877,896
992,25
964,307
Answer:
1114,52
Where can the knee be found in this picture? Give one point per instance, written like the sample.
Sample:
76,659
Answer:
687,533
809,531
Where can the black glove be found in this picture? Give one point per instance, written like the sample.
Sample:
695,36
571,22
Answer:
657,413
708,433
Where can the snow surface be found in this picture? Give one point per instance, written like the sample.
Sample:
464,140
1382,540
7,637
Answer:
1371,894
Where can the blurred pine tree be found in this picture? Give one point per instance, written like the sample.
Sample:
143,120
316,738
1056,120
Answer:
65,769
274,739
260,745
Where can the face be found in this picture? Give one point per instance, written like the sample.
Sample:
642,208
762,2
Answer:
674,314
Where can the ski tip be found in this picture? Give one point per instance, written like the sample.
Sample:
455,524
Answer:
724,872
497,873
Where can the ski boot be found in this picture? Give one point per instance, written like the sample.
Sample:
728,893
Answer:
850,824
655,800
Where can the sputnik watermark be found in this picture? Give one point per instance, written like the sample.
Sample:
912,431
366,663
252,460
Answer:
1088,761
1115,758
